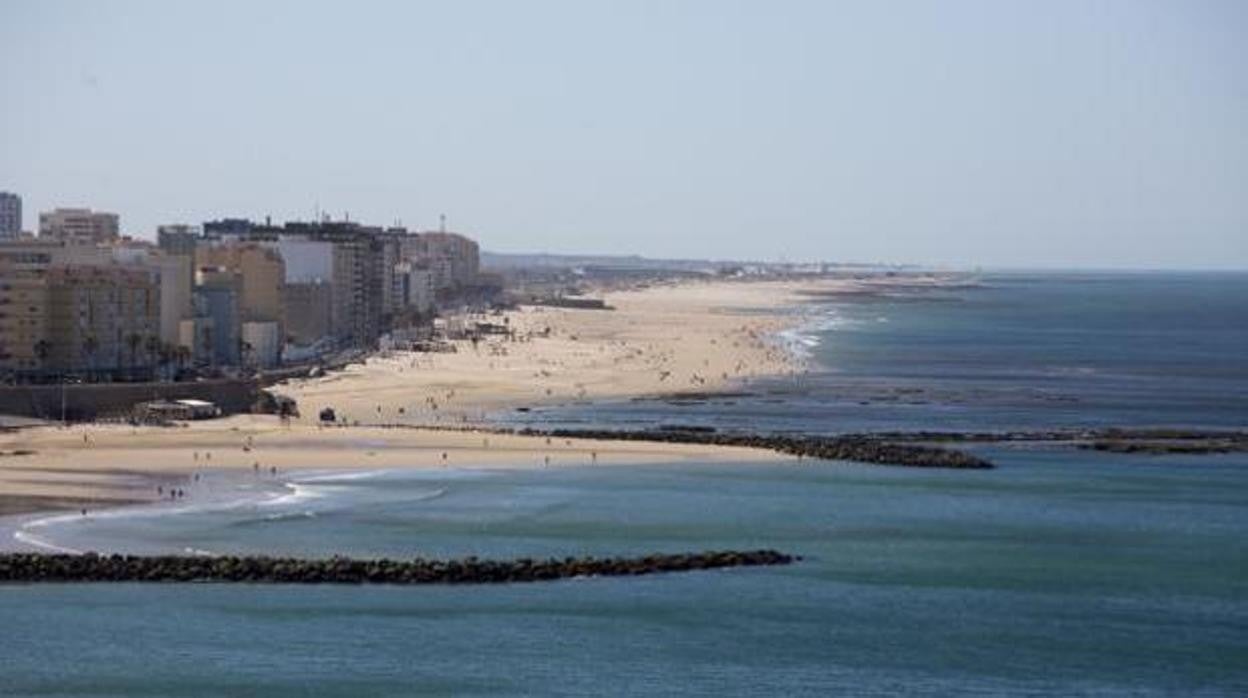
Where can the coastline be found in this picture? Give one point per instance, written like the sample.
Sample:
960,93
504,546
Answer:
667,338
662,339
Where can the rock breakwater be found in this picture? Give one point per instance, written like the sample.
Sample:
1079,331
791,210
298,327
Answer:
855,448
36,567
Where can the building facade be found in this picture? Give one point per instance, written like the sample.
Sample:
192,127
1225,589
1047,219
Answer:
178,239
218,320
79,226
10,215
261,273
308,308
94,321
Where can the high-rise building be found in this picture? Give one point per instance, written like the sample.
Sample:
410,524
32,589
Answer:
261,274
97,320
308,309
357,274
458,255
178,239
414,287
10,215
228,228
79,226
217,292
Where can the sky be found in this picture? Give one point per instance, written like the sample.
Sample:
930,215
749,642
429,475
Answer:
1053,133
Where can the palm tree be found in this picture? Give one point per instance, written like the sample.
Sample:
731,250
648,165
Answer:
164,356
151,350
182,354
42,349
244,351
90,345
208,348
133,340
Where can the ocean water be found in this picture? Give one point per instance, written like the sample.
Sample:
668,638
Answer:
1061,572
1017,351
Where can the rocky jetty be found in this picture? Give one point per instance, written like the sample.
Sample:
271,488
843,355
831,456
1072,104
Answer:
1141,441
1161,448
35,567
861,449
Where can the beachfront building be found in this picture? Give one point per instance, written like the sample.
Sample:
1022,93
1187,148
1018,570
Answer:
372,279
260,271
415,287
80,226
24,344
307,294
356,273
454,259
261,344
99,321
308,309
104,319
217,330
10,215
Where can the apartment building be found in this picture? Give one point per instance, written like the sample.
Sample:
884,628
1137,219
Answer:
101,321
10,215
79,226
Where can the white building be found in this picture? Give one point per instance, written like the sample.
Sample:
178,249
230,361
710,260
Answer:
307,261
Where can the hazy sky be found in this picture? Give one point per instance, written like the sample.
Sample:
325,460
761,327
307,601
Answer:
988,133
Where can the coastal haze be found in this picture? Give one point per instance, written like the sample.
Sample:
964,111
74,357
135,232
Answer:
624,348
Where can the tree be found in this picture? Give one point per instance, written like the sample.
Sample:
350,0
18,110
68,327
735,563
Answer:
42,349
90,345
182,354
164,356
208,348
133,340
152,347
244,351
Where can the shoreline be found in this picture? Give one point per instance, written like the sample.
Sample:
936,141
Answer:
663,339
659,340
406,410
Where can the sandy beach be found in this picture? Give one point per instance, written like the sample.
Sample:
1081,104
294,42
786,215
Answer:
692,336
664,339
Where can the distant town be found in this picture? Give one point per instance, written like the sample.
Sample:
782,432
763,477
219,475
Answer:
80,298
82,304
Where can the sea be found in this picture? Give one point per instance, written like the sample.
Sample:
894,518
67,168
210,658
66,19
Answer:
1060,572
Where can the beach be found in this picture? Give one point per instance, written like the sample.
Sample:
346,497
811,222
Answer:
664,339
418,410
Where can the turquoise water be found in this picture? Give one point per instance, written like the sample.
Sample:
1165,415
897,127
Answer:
1060,573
